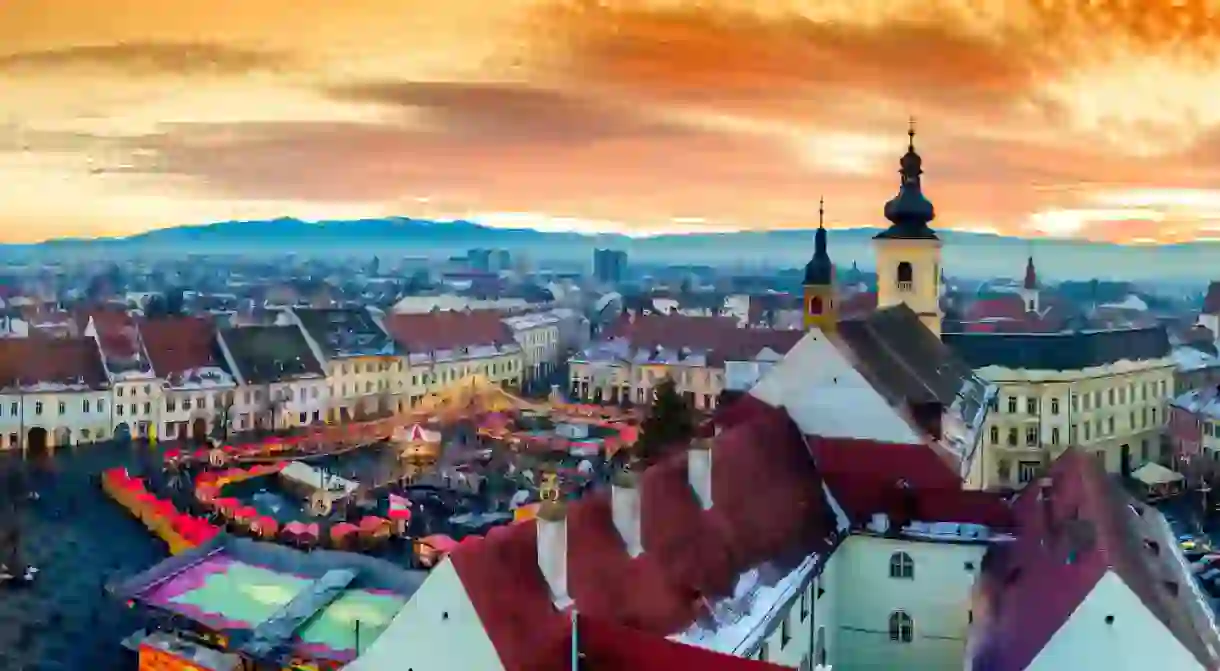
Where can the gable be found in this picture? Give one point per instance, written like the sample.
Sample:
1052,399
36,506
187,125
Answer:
1135,640
826,396
437,629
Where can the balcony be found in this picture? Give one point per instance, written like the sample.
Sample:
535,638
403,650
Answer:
906,287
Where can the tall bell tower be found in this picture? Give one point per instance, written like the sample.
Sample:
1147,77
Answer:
908,252
821,303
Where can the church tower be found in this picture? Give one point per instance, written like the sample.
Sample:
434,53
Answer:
908,252
1029,288
821,304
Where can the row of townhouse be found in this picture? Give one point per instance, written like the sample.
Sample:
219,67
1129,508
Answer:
180,377
698,352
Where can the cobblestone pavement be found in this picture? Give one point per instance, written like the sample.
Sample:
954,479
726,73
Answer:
79,539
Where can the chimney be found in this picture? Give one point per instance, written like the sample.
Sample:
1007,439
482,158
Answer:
929,416
552,523
699,470
625,509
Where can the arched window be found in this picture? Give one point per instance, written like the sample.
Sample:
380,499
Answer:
902,566
815,305
905,274
902,627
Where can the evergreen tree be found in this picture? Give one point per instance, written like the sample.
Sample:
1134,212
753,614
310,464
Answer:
669,424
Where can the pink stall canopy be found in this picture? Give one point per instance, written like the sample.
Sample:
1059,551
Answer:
371,524
343,530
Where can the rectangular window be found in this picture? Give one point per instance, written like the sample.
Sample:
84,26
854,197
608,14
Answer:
38,407
1055,436
118,391
784,634
1027,471
995,435
85,405
1012,405
171,404
1031,436
1031,406
1110,425
63,407
1054,406
1012,437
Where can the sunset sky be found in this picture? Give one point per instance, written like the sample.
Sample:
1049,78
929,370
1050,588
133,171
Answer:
1096,119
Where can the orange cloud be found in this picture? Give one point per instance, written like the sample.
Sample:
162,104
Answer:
1064,118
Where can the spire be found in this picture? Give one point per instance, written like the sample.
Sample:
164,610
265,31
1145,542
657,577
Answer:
910,211
819,271
1031,274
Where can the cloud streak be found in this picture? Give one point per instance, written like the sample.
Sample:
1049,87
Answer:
1062,118
146,58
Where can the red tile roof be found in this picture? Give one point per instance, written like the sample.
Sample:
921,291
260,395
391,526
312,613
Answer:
116,331
690,555
1008,314
26,361
605,646
866,478
720,335
178,344
447,330
1211,302
1066,543
738,410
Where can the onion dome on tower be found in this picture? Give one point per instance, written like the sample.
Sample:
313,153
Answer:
910,212
819,271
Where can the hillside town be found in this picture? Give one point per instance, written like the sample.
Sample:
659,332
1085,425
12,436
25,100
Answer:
831,468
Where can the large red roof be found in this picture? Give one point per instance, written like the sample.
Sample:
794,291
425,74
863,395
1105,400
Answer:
606,646
447,330
739,410
720,335
72,361
906,482
690,557
178,344
117,333
1068,538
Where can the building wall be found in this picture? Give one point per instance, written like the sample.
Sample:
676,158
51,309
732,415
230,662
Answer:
922,294
597,382
280,405
417,381
1134,641
359,385
1100,409
136,404
437,629
539,349
180,408
937,599
62,415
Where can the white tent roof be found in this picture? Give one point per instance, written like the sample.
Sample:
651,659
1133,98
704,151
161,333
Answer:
1153,473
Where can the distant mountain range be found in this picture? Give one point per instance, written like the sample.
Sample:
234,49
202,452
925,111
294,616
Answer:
971,254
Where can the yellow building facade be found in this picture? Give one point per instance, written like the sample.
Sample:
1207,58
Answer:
1117,411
